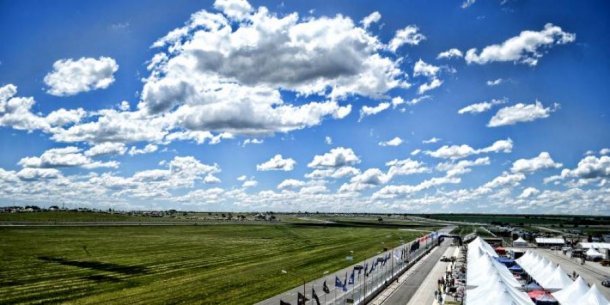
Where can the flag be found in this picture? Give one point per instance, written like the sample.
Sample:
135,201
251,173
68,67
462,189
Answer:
325,288
301,299
338,282
415,246
315,296
351,278
284,303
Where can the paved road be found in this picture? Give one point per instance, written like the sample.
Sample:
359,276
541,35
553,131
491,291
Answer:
411,284
591,273
425,294
413,279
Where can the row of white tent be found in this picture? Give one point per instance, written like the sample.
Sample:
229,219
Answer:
489,281
548,275
579,293
553,277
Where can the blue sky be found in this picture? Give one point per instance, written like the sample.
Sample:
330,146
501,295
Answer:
405,106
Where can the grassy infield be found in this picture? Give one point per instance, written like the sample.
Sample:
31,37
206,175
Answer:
206,264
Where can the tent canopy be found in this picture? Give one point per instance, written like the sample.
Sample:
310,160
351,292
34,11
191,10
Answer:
593,253
515,268
593,297
557,280
573,293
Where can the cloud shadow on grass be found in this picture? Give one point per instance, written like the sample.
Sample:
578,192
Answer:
122,269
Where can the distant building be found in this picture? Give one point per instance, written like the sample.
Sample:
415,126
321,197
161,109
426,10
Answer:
544,242
603,248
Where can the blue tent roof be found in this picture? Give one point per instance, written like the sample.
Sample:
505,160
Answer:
503,260
532,286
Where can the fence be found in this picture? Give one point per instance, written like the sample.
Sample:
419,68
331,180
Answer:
365,283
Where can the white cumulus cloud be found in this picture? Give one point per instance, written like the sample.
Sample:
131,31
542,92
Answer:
277,163
396,141
451,53
336,157
518,113
429,71
542,161
225,74
69,156
106,148
72,76
374,17
409,35
494,82
368,111
482,107
149,148
463,151
527,48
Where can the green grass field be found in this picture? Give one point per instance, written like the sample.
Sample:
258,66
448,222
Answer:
205,264
65,216
463,230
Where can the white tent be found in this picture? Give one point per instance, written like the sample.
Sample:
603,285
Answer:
593,297
527,259
479,272
538,269
484,246
495,291
573,293
497,297
556,281
520,242
592,253
545,273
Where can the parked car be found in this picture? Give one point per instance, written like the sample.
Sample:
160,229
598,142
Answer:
445,259
605,263
606,282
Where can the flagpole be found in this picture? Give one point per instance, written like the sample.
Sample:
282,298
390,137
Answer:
353,282
392,258
359,279
364,284
335,299
304,292
325,279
